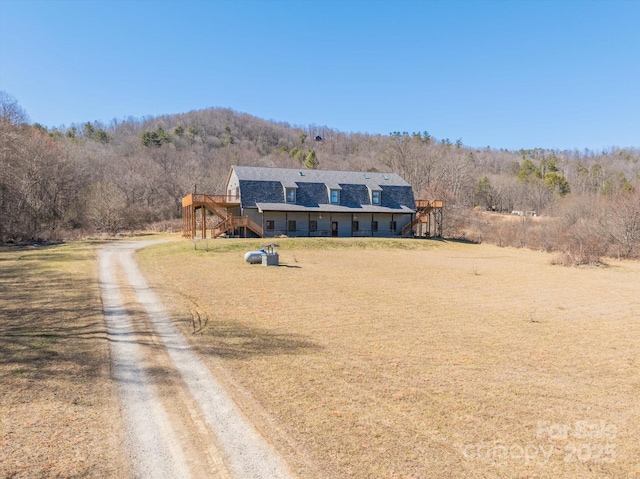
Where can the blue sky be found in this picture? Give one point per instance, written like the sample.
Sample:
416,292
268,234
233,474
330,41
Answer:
506,74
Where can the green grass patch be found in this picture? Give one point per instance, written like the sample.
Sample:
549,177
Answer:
231,245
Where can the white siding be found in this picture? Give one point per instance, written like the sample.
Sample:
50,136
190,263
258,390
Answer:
233,185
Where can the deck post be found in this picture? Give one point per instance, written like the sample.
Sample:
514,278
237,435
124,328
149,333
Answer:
193,221
184,229
204,223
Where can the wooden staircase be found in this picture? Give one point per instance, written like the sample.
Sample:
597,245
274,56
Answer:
425,211
218,205
230,223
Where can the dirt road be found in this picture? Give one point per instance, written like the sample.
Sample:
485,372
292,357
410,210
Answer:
180,421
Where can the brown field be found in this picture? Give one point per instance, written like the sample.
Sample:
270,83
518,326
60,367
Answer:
357,358
59,411
419,359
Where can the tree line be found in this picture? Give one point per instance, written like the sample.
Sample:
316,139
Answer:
91,177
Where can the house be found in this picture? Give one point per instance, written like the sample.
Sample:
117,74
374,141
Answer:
268,202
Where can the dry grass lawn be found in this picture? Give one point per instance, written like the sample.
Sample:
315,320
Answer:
59,412
419,359
357,358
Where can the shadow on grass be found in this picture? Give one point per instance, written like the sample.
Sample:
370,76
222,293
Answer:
52,326
461,240
232,340
50,319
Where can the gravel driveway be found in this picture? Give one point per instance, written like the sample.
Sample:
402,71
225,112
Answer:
163,437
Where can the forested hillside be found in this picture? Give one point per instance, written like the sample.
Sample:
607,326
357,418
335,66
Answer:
88,177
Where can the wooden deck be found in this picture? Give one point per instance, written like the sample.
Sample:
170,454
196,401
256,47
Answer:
223,222
427,220
426,204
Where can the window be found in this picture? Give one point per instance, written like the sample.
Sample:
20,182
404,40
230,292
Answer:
375,197
270,225
292,226
356,226
234,191
393,226
374,226
290,195
335,196
313,226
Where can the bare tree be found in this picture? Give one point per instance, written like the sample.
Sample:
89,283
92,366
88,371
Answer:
411,158
623,223
11,111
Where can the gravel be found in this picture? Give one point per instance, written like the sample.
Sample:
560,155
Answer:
152,444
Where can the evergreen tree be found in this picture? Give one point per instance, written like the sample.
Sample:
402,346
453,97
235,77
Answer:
311,161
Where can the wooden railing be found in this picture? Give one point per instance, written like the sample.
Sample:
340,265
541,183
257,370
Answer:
408,228
253,226
423,209
232,222
199,199
222,227
424,204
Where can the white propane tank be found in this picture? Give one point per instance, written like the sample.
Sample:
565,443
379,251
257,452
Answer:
254,257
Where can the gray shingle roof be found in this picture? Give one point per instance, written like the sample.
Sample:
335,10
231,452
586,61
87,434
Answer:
289,176
264,188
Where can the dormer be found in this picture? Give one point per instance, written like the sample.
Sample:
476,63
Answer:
289,189
333,193
375,194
